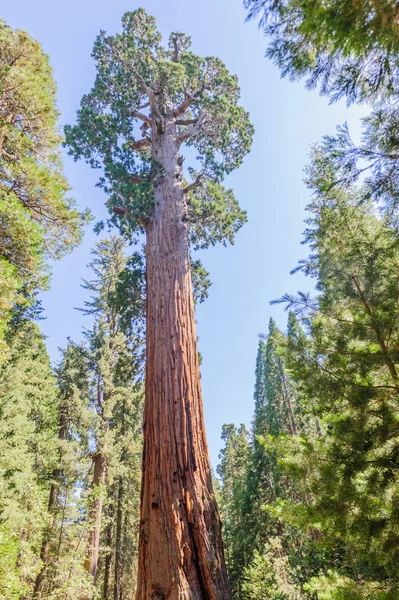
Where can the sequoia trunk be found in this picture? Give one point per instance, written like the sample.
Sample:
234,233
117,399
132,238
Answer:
180,548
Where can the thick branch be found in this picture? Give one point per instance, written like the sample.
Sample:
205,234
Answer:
186,121
181,109
142,117
192,130
140,145
123,212
194,184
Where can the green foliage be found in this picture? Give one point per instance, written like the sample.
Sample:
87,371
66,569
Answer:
213,215
134,72
268,554
349,50
38,220
346,367
269,575
27,450
232,470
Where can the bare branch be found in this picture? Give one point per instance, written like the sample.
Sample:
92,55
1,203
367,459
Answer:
192,130
186,121
140,145
189,100
176,50
148,90
119,210
135,179
194,184
142,117
145,105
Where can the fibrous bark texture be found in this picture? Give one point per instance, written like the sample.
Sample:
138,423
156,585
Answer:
180,550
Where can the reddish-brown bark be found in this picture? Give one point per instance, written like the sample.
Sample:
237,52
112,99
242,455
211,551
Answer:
180,548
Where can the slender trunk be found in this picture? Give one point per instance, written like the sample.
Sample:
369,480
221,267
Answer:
118,544
291,417
384,349
108,558
180,547
96,511
51,508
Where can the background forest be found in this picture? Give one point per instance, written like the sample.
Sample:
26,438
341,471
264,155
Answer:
308,494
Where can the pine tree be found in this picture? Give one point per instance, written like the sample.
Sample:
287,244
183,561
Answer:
233,471
349,50
346,367
60,571
180,99
114,363
27,449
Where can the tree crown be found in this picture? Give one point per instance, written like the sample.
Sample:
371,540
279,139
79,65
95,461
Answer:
140,81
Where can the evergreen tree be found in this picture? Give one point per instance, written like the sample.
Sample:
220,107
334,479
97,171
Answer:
233,470
269,556
38,219
89,542
28,425
114,363
61,555
181,100
348,50
347,368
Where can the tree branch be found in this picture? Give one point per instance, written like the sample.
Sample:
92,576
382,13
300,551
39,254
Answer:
176,50
123,212
186,121
146,88
140,145
194,184
188,101
142,117
192,130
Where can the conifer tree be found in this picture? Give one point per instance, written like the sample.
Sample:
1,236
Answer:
233,471
59,556
27,446
347,369
181,100
38,219
349,50
114,362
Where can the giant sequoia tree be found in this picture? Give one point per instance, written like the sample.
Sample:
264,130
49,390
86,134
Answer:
180,100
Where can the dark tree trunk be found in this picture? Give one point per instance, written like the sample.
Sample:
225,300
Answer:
51,508
108,558
180,548
118,544
95,514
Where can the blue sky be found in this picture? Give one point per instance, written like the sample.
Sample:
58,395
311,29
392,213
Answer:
269,185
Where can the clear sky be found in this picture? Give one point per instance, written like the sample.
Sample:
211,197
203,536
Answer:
269,185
